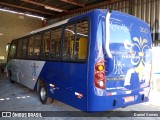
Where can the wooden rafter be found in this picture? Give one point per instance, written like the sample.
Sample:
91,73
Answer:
86,8
29,9
73,3
46,6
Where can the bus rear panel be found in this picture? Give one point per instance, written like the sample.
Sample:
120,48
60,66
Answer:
122,68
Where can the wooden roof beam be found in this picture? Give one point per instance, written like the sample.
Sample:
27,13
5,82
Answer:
73,3
45,6
24,8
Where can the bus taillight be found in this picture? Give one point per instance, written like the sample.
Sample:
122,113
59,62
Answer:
99,75
99,67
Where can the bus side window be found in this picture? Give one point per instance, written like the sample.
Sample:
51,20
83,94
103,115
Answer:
24,47
37,43
30,47
12,52
46,45
68,42
81,40
55,43
19,49
82,48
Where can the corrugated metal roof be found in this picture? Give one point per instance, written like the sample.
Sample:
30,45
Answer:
46,8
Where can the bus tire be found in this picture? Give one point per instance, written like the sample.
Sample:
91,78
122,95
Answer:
10,75
43,95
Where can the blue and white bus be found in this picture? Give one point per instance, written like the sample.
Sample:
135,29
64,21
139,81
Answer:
96,61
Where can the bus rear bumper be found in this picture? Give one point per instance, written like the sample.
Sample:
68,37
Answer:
111,100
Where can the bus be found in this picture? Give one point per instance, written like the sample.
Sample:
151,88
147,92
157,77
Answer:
97,61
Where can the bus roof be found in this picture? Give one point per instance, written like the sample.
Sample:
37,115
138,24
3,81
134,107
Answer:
66,20
52,25
45,28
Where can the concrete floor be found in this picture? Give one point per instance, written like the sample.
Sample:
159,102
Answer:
15,97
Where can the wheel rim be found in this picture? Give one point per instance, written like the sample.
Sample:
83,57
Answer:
43,93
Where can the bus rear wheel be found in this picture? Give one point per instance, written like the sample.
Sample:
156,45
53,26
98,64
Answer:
43,95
